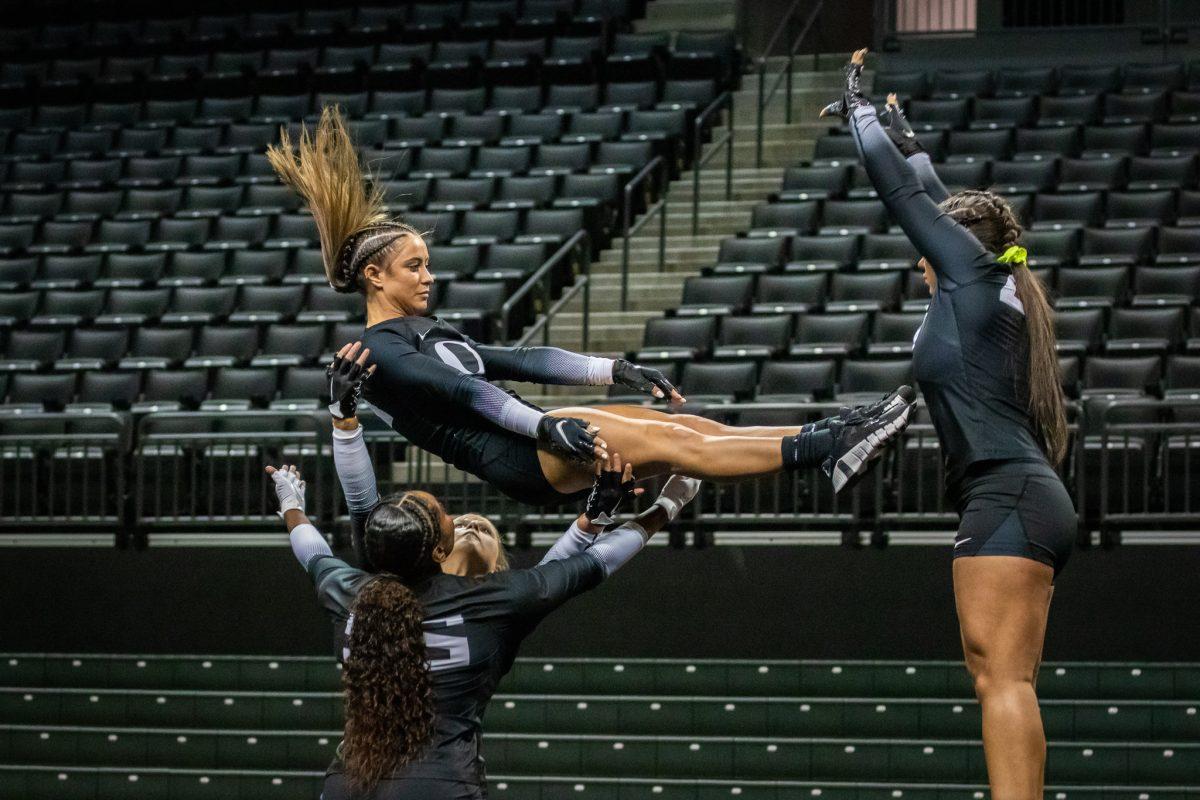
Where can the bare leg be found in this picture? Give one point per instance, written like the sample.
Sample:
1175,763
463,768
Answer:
700,424
1003,603
656,447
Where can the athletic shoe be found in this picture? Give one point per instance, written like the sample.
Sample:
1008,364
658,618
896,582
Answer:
864,436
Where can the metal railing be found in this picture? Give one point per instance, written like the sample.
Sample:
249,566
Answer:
205,468
656,167
1139,464
579,244
66,470
725,101
765,97
1135,465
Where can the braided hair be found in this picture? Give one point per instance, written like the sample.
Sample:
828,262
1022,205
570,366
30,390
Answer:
385,679
991,220
352,223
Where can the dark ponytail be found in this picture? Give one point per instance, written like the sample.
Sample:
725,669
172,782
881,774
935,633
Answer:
386,687
990,218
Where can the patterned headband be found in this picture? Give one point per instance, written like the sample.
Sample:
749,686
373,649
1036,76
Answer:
362,246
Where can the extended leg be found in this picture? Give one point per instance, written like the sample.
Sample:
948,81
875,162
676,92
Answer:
702,424
1003,602
657,447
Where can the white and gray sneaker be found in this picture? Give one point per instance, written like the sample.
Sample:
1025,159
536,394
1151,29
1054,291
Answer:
862,435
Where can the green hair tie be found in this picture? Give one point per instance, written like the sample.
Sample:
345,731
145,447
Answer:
1014,255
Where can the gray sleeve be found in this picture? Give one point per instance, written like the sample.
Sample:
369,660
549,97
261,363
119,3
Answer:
308,544
549,365
928,176
614,548
354,470
571,543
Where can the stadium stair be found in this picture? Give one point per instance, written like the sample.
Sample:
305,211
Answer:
615,332
115,726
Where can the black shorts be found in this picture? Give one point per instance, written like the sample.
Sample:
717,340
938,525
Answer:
1015,508
509,462
338,788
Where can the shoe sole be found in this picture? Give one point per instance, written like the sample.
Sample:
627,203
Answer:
857,461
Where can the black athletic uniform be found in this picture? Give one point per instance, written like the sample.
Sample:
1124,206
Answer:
431,385
971,359
473,627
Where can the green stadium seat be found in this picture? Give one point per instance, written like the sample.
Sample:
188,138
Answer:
955,719
20,670
928,761
1165,764
618,757
1086,763
881,718
1177,721
1108,721
848,760
836,680
731,717
805,718
702,758
768,759
1148,682
661,716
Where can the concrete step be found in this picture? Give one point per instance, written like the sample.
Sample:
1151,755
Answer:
675,15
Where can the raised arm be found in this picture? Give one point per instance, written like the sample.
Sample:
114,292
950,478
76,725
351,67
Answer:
307,542
615,547
346,375
902,135
555,366
950,248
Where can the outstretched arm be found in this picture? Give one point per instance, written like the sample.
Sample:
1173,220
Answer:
554,366
307,542
615,547
356,474
902,135
950,248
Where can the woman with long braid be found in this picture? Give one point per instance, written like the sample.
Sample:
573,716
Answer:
427,632
986,363
431,382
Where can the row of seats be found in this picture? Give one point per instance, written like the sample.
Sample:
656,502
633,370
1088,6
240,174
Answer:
247,124
988,115
215,231
47,783
832,178
186,378
609,676
1127,331
1026,81
745,758
244,266
339,67
1090,720
423,21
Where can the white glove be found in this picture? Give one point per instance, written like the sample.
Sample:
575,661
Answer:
677,493
289,488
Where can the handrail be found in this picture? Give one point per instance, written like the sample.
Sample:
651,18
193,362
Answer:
543,323
579,237
764,97
657,164
726,140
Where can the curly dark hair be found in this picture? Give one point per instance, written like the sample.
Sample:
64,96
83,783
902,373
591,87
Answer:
991,220
386,686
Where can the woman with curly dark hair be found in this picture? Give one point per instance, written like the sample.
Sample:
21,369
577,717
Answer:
986,363
423,649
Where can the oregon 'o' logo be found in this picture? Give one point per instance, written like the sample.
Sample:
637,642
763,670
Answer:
459,355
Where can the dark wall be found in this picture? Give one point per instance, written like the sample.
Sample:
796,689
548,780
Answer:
781,602
844,25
